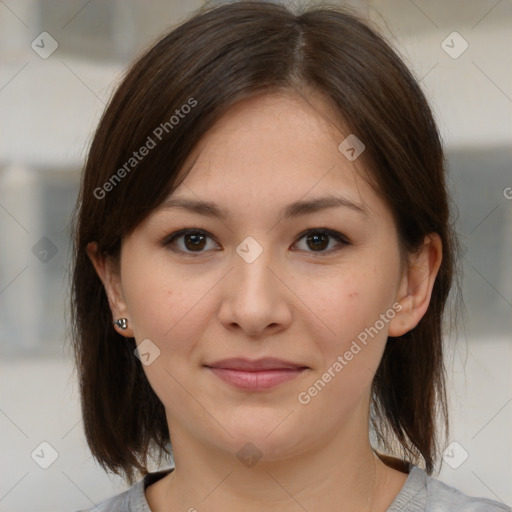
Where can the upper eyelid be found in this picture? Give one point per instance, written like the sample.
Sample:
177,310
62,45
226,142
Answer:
185,231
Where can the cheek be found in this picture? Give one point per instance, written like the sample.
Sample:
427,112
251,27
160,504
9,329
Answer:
349,357
349,316
167,309
164,306
346,301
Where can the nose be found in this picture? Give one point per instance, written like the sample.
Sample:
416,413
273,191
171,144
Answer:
254,297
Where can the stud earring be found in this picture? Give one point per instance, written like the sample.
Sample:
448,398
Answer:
122,323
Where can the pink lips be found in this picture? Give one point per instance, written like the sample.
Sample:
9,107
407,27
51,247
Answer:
256,375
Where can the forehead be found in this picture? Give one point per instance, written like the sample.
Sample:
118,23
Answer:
277,143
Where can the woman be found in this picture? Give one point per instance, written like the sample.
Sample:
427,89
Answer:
263,256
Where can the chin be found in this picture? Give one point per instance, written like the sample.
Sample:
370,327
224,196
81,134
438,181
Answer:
266,436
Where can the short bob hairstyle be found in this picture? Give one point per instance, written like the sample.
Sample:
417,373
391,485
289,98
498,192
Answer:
169,98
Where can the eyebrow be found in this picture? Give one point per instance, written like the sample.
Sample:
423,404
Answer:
294,209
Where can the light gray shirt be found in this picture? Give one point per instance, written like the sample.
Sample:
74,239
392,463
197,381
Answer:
420,493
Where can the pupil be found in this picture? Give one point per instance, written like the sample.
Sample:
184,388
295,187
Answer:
316,238
195,238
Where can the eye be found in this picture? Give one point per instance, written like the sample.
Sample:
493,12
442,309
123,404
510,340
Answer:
318,240
194,240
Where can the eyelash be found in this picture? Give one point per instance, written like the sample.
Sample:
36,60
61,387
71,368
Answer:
170,239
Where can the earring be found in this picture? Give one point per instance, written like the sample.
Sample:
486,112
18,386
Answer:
122,323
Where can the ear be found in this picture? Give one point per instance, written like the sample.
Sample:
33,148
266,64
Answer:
416,286
108,271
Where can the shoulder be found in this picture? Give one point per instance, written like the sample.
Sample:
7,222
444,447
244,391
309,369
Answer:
131,500
441,496
422,493
119,503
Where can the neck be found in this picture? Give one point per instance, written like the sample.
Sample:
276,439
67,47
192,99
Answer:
341,470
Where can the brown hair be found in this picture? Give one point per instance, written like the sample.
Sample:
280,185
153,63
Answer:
216,58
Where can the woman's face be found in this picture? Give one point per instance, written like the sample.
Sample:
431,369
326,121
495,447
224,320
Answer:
252,330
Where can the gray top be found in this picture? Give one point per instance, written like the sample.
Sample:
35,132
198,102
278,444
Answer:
420,493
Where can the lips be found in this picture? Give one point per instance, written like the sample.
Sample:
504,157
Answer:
256,365
256,375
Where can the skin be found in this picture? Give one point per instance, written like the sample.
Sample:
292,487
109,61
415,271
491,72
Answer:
290,303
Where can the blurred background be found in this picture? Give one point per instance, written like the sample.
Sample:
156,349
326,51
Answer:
60,61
